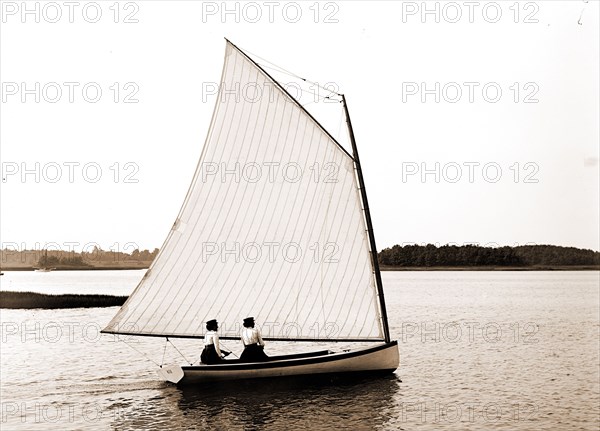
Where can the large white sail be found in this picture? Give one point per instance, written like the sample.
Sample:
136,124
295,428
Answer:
272,227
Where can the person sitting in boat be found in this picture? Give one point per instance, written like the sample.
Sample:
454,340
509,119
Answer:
212,352
253,343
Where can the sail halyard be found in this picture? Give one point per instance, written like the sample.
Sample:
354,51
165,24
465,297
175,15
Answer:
181,290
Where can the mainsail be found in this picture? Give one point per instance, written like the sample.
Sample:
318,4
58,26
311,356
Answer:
272,227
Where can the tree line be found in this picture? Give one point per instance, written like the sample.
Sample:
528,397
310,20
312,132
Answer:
397,256
96,257
473,255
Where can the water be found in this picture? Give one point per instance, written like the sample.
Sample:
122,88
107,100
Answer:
479,350
120,282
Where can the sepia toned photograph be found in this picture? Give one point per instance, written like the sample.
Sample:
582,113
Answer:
300,215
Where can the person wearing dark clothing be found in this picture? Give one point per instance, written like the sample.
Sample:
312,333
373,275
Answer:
253,343
212,351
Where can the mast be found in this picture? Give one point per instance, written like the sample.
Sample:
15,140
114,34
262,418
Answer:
363,193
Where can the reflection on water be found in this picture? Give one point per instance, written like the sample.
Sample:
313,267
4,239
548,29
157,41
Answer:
272,404
292,403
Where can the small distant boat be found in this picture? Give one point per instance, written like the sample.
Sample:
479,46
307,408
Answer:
327,289
43,262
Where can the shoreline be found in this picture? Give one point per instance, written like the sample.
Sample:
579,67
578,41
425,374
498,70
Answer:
83,268
381,267
491,268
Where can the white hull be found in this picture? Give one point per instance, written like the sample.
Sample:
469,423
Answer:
382,358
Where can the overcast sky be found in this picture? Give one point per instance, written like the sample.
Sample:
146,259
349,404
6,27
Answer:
476,122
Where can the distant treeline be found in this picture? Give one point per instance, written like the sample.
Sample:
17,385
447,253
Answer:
69,260
95,258
408,256
473,255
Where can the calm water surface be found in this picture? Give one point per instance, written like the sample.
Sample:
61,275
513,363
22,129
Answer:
479,350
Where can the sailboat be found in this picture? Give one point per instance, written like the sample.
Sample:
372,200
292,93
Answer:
261,233
43,262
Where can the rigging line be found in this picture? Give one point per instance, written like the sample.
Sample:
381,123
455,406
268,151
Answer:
317,101
280,70
285,71
230,350
162,361
141,353
291,99
184,358
316,94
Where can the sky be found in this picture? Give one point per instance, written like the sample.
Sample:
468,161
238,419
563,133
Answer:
476,122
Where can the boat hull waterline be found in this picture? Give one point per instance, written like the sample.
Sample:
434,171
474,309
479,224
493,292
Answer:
382,358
